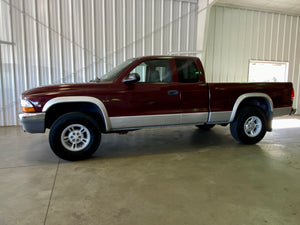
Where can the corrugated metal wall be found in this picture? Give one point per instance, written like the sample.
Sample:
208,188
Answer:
237,35
53,41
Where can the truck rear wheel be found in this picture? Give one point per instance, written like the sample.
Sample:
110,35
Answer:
74,136
249,126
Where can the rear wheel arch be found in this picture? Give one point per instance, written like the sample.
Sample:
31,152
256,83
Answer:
259,100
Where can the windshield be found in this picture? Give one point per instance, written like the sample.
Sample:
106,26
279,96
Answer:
115,72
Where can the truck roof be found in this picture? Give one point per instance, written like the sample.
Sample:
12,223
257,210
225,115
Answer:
166,57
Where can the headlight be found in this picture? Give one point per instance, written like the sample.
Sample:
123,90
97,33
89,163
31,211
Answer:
26,106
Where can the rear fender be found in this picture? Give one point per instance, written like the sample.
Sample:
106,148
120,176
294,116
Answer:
241,99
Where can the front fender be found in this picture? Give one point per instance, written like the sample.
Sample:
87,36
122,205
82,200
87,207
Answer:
88,99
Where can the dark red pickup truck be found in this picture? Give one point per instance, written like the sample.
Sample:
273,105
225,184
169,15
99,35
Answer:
148,92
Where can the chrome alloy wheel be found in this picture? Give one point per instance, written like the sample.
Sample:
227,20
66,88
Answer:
75,137
253,126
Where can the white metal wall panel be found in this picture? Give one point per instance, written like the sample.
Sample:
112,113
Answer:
7,72
237,35
61,41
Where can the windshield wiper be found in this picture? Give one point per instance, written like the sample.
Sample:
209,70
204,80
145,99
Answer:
96,80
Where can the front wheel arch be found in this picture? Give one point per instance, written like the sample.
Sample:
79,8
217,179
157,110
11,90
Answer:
90,109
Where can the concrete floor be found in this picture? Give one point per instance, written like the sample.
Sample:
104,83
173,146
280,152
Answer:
177,175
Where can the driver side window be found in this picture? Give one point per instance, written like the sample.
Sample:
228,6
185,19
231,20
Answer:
154,71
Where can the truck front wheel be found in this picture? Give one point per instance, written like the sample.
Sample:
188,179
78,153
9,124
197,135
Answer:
249,127
74,136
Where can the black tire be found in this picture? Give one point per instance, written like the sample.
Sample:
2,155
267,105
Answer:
249,126
81,135
205,126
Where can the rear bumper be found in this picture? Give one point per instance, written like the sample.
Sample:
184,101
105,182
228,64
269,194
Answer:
283,111
33,122
293,111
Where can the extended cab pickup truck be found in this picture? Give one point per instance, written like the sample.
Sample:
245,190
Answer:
148,92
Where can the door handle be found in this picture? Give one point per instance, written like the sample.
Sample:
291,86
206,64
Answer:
173,92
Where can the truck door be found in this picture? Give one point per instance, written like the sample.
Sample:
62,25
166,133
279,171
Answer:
194,104
154,100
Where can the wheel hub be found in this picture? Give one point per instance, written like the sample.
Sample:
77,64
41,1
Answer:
75,137
253,126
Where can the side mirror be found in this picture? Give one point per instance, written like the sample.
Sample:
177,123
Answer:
131,78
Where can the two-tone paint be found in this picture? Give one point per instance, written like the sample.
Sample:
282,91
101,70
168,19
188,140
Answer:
125,106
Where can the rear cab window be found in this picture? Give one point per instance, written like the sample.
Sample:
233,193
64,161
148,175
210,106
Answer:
187,71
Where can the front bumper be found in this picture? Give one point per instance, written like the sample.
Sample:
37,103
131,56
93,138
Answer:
33,122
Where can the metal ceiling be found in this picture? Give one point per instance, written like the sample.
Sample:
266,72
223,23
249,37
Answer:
290,7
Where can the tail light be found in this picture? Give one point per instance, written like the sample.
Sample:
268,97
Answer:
293,95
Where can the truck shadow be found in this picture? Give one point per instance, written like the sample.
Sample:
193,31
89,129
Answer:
166,140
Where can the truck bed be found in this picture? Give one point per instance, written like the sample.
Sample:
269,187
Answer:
224,96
